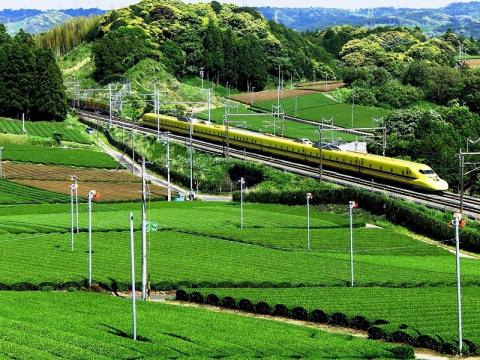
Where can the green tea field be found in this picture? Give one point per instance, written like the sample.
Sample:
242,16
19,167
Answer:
57,156
95,326
45,129
428,310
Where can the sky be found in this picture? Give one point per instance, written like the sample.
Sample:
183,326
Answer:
112,4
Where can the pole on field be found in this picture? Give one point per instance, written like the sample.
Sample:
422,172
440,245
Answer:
309,196
132,262
144,235
457,221
72,186
23,123
352,205
91,195
242,182
75,181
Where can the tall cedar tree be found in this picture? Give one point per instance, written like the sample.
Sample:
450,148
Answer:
30,80
213,59
49,93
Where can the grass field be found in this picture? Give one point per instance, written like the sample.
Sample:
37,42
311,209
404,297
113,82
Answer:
429,310
265,124
45,129
318,106
58,156
95,326
202,243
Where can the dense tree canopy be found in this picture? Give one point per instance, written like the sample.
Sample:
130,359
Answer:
30,80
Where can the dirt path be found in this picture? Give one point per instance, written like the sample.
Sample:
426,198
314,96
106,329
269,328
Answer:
136,170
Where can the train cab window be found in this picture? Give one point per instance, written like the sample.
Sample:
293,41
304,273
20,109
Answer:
427,172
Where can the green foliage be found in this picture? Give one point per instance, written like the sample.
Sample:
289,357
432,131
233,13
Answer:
119,50
30,79
66,37
432,136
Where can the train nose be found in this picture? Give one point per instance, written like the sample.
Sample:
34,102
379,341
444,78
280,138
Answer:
441,185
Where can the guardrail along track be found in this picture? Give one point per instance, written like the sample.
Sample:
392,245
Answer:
444,201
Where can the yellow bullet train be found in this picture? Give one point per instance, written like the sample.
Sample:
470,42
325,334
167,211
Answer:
408,173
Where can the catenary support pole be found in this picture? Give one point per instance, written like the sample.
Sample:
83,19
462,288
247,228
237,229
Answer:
132,262
457,220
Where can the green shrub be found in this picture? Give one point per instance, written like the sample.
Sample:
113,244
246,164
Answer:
263,308
403,352
181,295
318,316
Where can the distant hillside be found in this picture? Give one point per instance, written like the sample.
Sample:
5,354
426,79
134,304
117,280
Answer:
460,17
37,21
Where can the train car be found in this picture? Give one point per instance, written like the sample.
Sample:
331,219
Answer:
403,172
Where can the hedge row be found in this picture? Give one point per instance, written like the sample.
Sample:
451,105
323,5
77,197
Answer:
415,217
413,337
296,313
379,329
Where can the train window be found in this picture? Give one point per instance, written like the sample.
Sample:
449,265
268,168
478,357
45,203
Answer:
391,170
370,166
336,158
403,172
380,168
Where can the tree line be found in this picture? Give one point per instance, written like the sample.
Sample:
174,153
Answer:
30,80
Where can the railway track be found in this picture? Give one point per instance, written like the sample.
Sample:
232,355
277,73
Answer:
445,201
